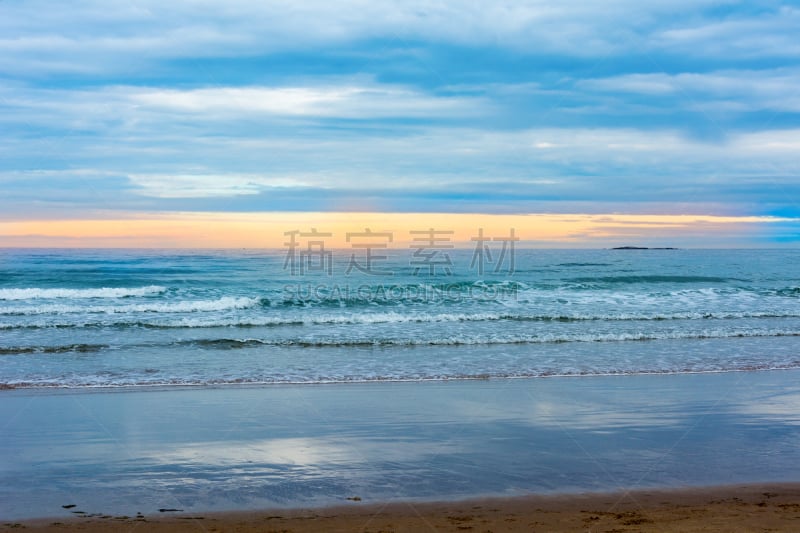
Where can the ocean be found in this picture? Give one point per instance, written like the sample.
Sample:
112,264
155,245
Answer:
143,318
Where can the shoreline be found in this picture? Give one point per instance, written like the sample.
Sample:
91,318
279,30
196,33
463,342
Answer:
163,387
762,506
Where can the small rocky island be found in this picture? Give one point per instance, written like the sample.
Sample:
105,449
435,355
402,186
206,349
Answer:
642,248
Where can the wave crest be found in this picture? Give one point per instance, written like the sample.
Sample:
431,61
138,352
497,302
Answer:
36,293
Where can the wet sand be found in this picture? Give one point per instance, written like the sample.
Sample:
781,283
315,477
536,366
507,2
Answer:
282,448
774,507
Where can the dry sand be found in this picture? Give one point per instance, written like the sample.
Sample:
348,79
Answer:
774,507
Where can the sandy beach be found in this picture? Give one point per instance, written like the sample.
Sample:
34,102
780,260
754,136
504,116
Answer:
347,457
774,507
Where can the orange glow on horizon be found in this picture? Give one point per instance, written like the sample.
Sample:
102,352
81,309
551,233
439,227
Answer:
266,230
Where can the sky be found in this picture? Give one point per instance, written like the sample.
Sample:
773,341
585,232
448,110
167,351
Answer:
117,114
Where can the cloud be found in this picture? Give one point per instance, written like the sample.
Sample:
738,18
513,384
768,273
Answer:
131,107
766,33
734,90
94,36
343,101
426,168
208,185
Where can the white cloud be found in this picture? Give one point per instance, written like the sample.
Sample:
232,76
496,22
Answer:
112,36
161,163
208,185
767,34
130,108
654,84
342,101
732,90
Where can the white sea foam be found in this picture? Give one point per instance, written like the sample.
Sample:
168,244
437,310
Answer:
104,381
491,339
189,306
159,315
104,292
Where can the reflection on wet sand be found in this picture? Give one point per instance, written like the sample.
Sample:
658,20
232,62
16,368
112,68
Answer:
291,446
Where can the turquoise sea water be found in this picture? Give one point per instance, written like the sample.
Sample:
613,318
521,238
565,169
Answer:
89,318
